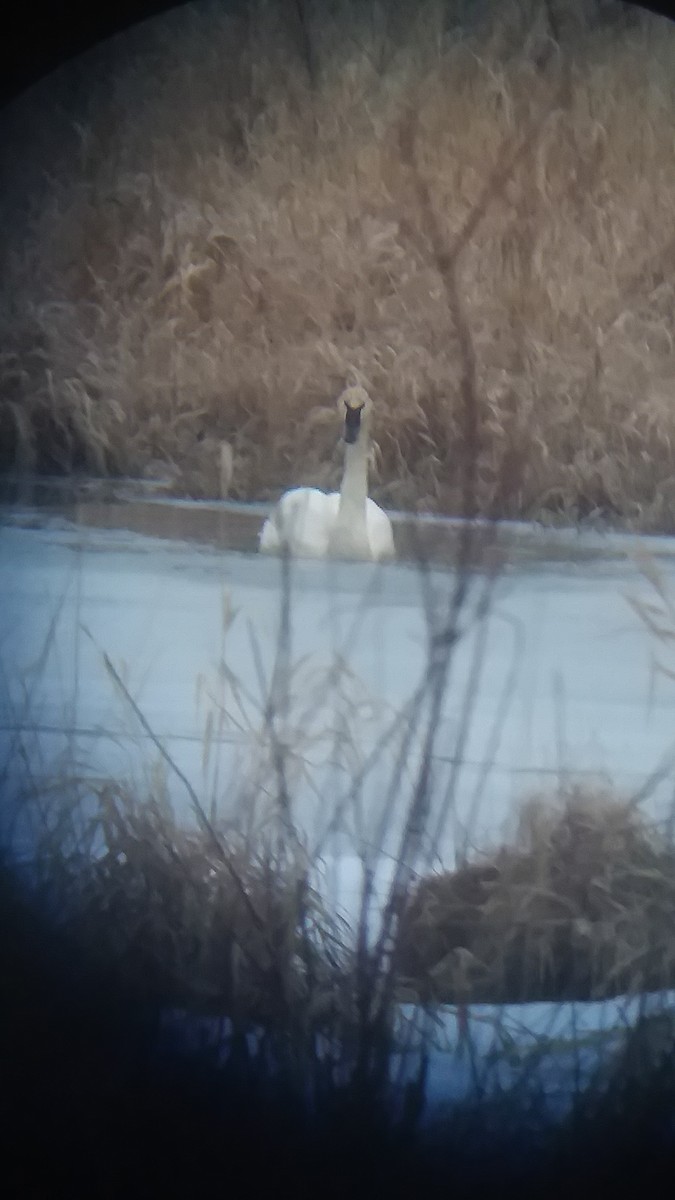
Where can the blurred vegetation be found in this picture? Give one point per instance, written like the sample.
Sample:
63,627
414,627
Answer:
209,222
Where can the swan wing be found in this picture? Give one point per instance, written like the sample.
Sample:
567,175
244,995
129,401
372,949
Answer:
301,523
380,532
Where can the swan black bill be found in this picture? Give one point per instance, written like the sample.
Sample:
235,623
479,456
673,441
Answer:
352,424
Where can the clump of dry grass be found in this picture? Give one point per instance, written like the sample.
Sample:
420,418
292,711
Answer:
206,921
216,923
581,906
214,262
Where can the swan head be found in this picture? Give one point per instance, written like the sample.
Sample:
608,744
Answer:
356,407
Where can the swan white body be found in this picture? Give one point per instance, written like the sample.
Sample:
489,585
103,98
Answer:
305,522
313,524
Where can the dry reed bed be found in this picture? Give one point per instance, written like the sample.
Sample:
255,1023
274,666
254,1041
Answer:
233,228
152,917
216,923
144,1119
581,906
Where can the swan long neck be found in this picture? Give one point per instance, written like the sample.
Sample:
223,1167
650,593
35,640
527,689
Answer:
354,489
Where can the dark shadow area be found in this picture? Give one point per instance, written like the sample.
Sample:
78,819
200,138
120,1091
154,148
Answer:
39,39
96,1102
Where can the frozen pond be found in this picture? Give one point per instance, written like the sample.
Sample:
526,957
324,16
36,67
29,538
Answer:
556,677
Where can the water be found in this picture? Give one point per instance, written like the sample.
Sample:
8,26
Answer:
556,679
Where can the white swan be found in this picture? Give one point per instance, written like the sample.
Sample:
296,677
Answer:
345,524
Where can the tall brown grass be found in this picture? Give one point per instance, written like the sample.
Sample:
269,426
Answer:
217,224
581,906
227,927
